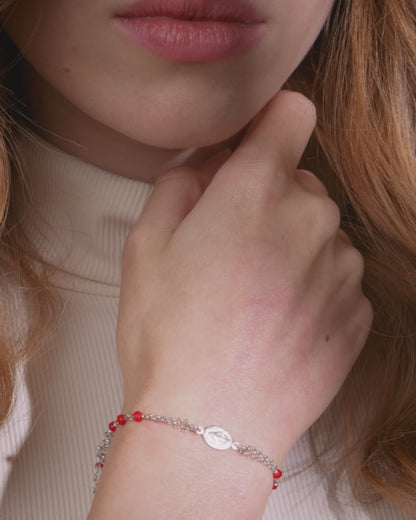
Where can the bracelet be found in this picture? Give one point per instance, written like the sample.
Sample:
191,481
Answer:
214,436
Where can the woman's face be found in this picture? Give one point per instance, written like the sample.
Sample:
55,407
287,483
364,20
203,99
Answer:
90,72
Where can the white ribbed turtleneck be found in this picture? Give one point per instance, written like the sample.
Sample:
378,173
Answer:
80,216
78,219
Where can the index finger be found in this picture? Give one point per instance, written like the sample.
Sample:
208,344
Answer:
277,137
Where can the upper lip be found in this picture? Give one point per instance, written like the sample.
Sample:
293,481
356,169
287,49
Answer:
237,11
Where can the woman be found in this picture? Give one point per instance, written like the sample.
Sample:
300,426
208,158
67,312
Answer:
240,299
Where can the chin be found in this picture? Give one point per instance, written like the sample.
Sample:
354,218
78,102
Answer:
194,135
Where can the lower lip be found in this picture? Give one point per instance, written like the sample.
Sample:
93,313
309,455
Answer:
183,40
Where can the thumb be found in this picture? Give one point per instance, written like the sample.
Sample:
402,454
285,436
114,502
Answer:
174,195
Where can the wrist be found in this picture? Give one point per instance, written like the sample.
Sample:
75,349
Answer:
260,429
178,465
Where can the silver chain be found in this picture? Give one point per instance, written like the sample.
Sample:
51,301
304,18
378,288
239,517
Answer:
180,424
252,453
215,436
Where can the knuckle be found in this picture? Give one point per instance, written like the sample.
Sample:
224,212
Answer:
326,216
262,189
365,312
355,262
368,311
360,322
306,174
332,212
310,182
344,237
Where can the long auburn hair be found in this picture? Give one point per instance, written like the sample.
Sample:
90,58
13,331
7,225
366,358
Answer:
361,75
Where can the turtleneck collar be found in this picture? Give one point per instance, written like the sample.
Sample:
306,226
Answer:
78,216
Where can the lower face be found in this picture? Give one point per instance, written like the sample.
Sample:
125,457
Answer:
82,53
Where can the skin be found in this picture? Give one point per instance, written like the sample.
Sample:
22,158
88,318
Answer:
266,316
263,322
100,97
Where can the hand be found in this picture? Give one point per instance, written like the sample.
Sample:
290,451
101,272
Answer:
241,301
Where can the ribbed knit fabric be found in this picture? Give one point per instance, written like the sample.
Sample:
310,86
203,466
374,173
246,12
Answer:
78,220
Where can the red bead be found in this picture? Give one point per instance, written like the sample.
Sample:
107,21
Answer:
275,485
121,420
112,426
101,465
137,416
277,474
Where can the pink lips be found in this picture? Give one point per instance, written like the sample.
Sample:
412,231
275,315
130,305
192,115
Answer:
192,30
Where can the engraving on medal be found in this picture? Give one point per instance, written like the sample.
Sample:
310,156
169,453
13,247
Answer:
217,438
